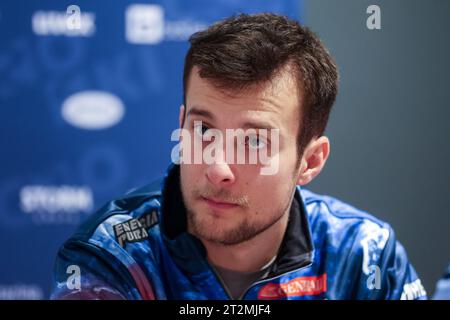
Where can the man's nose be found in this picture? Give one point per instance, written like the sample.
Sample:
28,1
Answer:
220,174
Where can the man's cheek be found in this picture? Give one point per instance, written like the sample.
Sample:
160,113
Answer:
271,167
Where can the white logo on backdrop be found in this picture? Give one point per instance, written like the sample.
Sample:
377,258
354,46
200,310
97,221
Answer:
72,23
92,110
145,24
21,291
52,199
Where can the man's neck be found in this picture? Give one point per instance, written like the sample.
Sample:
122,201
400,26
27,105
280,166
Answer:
251,255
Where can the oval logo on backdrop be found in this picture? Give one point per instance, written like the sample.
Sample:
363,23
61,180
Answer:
92,110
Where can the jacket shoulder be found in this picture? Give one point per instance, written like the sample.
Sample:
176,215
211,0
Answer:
340,225
112,248
141,204
362,247
337,208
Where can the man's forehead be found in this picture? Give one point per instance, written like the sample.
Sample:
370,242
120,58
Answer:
276,96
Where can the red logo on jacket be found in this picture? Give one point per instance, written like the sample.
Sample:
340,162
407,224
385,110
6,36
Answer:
301,286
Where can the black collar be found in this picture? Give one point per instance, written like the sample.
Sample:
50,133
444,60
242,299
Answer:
295,251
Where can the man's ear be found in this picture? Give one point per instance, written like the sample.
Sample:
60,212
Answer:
181,116
313,160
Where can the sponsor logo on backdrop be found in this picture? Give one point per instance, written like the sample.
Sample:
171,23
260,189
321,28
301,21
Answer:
63,204
70,23
301,286
145,24
21,292
92,110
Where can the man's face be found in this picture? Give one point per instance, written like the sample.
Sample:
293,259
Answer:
229,203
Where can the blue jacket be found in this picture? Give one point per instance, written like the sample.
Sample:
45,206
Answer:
137,247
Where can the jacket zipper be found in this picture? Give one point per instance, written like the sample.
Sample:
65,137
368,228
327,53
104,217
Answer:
227,292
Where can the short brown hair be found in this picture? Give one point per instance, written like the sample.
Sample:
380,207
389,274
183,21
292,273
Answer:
246,50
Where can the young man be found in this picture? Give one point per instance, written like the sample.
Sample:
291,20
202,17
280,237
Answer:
221,228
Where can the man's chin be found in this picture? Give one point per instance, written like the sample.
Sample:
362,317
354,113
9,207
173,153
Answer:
210,231
221,240
223,235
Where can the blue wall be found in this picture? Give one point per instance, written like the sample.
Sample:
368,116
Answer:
86,114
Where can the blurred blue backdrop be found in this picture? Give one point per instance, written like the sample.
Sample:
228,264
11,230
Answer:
88,101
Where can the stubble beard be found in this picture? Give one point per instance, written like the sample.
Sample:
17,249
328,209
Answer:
208,228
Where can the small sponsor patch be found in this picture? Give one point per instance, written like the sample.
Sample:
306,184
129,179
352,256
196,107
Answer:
301,286
148,220
135,230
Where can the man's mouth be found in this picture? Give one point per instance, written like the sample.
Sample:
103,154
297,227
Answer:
219,204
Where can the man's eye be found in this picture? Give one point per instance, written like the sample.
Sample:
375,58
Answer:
200,129
255,142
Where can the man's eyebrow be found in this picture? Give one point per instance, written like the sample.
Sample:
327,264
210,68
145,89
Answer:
251,124
258,125
195,111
